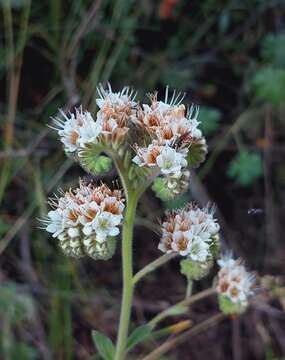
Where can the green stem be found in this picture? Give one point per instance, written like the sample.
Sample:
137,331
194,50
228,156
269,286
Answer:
172,310
189,288
127,262
152,266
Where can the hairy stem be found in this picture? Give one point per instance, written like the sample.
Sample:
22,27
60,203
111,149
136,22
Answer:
188,301
152,266
127,276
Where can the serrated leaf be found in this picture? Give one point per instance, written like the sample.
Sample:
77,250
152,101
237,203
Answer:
245,168
104,345
139,335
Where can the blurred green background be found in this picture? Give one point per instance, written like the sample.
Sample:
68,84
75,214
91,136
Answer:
229,56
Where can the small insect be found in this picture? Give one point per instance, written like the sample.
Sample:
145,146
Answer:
253,211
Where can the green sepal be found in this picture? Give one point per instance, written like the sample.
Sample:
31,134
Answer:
197,152
230,308
91,161
101,165
195,270
161,189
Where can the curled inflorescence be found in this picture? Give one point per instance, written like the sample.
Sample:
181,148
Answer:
159,137
234,282
86,220
190,232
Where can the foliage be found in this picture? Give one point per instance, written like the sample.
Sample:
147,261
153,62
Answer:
269,84
210,120
104,345
245,168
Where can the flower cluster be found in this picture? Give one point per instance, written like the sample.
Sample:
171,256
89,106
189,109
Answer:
116,112
234,282
189,232
163,134
86,219
171,130
77,130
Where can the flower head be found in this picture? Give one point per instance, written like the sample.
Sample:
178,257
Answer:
116,112
171,130
169,121
77,130
189,232
234,282
89,214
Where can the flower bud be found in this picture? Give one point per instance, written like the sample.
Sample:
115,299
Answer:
230,308
100,251
195,270
161,189
100,165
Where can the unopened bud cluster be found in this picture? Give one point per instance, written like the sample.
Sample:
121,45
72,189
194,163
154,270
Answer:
86,220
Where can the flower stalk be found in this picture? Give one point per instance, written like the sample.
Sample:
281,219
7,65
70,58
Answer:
127,263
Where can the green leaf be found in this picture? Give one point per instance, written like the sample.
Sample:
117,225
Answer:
139,335
273,50
269,84
245,168
104,345
210,120
177,310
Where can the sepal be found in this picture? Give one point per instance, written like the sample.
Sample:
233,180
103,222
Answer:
197,152
230,308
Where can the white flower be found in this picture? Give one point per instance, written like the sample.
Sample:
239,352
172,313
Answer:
199,249
116,109
234,281
77,130
55,223
147,156
170,161
169,121
89,131
105,224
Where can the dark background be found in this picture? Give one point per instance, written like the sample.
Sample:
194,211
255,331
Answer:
229,56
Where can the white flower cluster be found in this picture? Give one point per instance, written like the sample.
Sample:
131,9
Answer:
172,130
77,130
116,111
85,218
234,281
189,232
